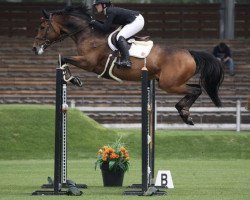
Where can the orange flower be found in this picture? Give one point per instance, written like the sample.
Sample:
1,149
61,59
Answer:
104,157
114,156
126,154
106,152
122,149
104,148
110,150
100,151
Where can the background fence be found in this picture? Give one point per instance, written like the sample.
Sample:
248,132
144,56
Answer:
162,20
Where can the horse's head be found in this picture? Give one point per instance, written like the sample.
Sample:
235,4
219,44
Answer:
58,25
48,32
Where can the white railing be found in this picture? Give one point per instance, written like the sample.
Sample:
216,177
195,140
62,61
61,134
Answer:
237,126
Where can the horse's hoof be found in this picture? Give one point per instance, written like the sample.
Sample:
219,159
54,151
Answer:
189,121
76,81
184,114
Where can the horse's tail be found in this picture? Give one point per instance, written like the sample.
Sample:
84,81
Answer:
211,74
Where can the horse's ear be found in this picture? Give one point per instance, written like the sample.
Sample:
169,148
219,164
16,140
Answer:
46,14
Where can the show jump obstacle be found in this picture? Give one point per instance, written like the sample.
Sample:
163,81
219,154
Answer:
60,159
146,188
148,139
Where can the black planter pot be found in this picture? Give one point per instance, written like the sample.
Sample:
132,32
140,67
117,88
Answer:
112,178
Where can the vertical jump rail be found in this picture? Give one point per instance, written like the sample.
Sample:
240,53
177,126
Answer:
147,139
60,151
152,120
145,128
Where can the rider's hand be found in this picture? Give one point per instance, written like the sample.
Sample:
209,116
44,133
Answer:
91,22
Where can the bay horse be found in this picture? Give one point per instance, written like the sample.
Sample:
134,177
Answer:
172,68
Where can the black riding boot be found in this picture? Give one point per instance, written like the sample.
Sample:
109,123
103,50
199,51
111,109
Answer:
123,48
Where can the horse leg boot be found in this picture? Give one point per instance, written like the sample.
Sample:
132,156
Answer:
186,102
123,48
75,80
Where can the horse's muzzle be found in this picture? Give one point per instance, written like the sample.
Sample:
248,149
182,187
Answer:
35,50
38,50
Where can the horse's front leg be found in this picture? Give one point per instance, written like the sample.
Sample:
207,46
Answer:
84,62
78,61
75,80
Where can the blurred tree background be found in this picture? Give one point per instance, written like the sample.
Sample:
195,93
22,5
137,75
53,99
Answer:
131,1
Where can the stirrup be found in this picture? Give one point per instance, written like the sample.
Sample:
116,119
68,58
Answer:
124,63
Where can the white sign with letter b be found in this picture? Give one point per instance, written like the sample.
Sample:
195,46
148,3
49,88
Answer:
164,179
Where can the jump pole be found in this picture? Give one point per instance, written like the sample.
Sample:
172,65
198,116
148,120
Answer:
148,133
60,151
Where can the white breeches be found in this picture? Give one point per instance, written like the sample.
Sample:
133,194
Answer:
131,29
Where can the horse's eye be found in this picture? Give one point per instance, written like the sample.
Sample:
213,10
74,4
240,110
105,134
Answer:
42,27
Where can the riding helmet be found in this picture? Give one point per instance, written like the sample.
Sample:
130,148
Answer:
107,2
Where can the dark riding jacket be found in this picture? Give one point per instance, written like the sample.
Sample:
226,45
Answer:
222,54
115,15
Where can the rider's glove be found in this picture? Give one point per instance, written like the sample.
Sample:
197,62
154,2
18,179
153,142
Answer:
91,22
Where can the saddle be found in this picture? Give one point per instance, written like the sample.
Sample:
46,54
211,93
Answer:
139,47
143,38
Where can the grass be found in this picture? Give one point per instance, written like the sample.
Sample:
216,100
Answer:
205,165
195,144
193,179
29,131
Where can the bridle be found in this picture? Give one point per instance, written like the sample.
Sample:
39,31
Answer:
61,37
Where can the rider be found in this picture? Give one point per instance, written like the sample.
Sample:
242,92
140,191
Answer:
132,22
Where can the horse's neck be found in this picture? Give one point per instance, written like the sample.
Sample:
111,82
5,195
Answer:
83,36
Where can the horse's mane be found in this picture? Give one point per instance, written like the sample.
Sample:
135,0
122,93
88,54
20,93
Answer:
82,11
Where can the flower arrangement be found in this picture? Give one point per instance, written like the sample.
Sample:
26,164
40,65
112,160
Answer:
113,158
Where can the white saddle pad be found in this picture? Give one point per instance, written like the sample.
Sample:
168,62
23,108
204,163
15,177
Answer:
138,49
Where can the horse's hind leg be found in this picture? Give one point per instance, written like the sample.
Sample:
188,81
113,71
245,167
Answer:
186,102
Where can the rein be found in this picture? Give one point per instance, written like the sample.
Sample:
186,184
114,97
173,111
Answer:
63,37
